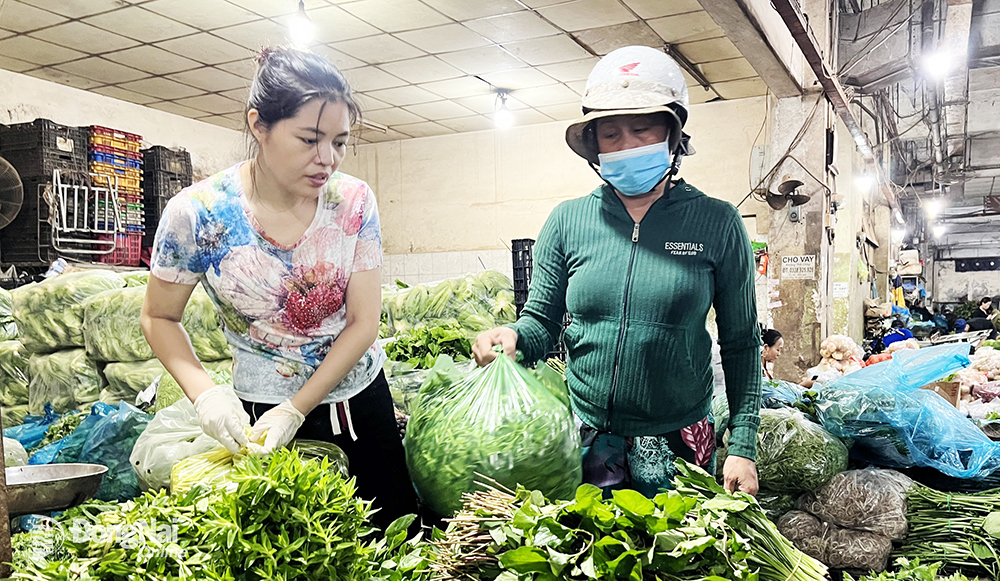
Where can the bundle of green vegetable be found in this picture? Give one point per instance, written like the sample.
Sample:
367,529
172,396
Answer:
136,278
697,531
907,570
13,373
49,315
420,346
168,392
960,530
476,302
67,379
8,328
112,332
794,454
126,380
499,421
60,428
282,518
13,415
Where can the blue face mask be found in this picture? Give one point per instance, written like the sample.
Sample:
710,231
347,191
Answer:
636,171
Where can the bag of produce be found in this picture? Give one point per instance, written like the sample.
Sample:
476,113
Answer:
776,504
32,429
173,435
837,547
794,454
776,393
987,391
137,278
69,448
56,434
405,381
500,421
887,399
476,302
66,379
112,331
110,443
872,500
127,379
49,315
13,415
317,450
14,453
168,392
13,373
8,330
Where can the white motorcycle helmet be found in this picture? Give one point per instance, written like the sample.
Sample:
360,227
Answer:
634,80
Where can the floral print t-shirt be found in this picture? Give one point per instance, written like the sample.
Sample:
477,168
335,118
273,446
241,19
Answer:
281,307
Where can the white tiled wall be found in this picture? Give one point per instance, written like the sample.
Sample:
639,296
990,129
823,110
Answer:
433,266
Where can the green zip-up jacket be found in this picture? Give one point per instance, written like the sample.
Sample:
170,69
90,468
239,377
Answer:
639,355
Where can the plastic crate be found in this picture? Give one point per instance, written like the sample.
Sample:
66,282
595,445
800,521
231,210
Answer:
27,240
127,249
163,185
162,159
115,138
37,148
522,262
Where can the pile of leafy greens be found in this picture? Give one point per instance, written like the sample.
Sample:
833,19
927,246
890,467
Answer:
420,346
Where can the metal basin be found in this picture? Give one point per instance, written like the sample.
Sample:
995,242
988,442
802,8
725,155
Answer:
39,489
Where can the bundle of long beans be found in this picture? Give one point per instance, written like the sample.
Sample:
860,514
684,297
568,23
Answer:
960,530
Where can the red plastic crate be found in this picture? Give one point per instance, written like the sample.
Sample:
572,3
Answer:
127,249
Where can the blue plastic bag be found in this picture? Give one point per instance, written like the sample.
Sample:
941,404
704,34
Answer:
110,443
67,450
32,431
899,424
776,393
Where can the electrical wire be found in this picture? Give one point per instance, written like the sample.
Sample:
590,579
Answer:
767,93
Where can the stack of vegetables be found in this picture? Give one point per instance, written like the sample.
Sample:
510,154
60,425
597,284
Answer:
113,336
475,302
14,373
8,328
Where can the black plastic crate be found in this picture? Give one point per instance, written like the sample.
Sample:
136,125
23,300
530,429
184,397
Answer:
521,256
162,185
27,240
162,159
37,148
152,210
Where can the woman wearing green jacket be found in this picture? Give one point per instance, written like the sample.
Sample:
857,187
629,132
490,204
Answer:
637,265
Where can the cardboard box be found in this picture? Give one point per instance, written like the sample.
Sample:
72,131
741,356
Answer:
950,390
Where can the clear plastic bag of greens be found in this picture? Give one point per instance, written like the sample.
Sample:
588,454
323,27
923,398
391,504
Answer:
126,380
776,504
317,450
500,421
13,415
910,425
66,379
112,332
6,304
837,547
110,443
49,315
13,373
168,392
173,435
14,453
136,278
476,302
794,454
67,450
872,500
8,330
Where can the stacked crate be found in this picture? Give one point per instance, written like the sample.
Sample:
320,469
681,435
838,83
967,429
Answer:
166,172
116,154
35,149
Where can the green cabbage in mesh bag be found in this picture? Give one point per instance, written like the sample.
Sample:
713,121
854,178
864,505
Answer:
138,278
500,421
49,315
67,379
126,380
112,331
13,373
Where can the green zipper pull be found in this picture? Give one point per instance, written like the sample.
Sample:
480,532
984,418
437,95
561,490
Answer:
635,233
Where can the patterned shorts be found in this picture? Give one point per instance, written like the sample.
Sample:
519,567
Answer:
644,463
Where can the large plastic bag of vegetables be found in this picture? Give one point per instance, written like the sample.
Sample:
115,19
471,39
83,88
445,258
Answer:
32,429
776,393
67,450
8,328
794,454
14,453
13,373
136,278
110,443
66,379
168,392
872,500
112,332
500,421
884,402
838,548
476,302
49,315
173,435
13,415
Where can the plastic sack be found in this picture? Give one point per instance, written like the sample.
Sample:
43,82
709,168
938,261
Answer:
127,379
6,304
67,450
33,427
14,453
836,547
776,504
823,374
112,331
13,415
872,500
499,421
173,435
110,443
979,409
886,399
476,302
794,454
136,278
404,383
317,450
66,379
49,314
13,373
168,392
8,330
776,393
986,392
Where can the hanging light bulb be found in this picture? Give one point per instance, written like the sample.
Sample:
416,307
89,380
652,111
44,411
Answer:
939,230
300,29
932,208
503,117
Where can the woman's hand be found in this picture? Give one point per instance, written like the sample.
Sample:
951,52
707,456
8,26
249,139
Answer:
740,473
503,336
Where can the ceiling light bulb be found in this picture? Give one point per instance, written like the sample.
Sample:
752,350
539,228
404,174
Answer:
938,64
932,208
939,230
503,117
300,29
865,182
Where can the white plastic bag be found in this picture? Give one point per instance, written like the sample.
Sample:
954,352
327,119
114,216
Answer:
14,453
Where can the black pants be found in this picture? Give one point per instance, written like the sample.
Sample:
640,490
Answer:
377,460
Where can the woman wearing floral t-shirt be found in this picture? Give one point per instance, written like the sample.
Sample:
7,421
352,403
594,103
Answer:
289,249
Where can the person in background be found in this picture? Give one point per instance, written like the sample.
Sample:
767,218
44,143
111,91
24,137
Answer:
773,343
985,310
638,263
289,250
983,324
897,333
961,326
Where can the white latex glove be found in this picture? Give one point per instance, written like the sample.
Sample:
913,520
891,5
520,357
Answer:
277,427
219,418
